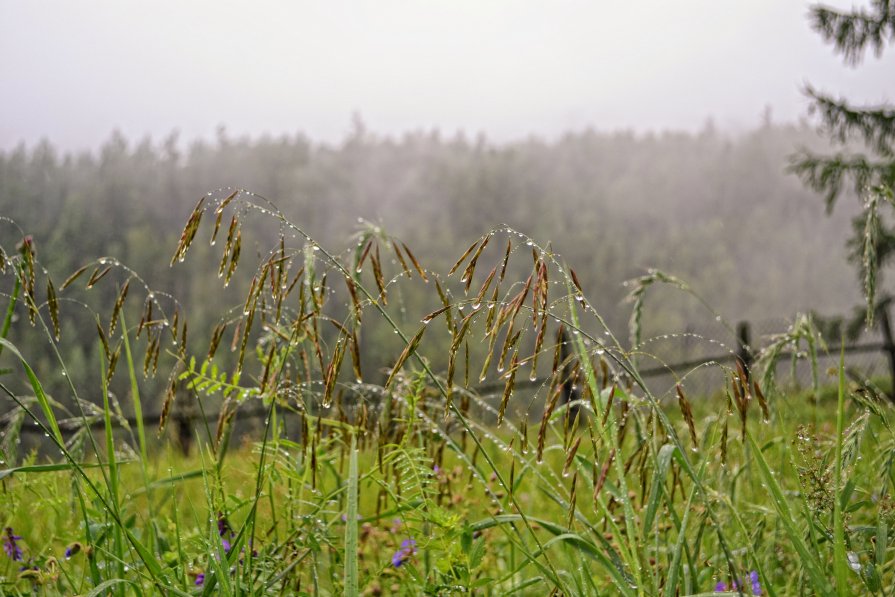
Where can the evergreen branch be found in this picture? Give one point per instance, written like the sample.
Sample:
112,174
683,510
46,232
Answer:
875,125
827,174
851,32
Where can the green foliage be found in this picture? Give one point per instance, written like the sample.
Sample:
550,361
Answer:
872,173
713,209
418,484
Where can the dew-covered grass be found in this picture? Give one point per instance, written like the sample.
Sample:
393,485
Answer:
572,477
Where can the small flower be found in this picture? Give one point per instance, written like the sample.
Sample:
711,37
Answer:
396,526
223,525
11,547
738,585
200,579
225,532
72,549
756,585
408,549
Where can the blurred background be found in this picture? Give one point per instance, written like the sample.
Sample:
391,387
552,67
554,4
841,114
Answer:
628,135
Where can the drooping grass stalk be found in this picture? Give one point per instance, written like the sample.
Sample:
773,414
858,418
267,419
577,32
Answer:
607,433
619,542
672,436
146,556
430,374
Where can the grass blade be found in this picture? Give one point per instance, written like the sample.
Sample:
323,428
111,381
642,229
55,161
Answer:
840,564
663,462
812,565
38,390
351,588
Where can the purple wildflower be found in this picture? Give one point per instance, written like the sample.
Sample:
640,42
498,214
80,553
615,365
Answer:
11,547
738,585
223,525
72,549
200,579
408,549
224,531
756,585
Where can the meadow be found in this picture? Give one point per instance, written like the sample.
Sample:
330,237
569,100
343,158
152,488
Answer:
576,478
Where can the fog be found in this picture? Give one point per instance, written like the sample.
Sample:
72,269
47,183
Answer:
73,72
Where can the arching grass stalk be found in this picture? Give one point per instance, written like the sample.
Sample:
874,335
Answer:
662,416
144,554
439,385
156,576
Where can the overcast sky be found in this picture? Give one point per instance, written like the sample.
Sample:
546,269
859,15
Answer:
74,71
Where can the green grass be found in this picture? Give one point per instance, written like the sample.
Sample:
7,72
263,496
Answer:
411,486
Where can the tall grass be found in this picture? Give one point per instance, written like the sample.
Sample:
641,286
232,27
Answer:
420,484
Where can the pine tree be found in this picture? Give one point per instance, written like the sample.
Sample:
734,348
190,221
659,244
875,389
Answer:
872,171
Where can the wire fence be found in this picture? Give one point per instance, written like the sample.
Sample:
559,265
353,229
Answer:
702,366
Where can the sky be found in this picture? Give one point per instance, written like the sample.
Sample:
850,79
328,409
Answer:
74,71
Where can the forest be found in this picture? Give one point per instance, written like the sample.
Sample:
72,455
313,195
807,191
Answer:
719,211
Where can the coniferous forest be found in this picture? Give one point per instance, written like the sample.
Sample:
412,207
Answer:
719,211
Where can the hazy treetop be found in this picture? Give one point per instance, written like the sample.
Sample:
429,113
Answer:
72,72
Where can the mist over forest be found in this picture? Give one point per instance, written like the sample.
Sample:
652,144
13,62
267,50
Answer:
718,211
582,299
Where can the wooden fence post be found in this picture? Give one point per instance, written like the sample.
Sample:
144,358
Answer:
183,423
888,345
744,352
